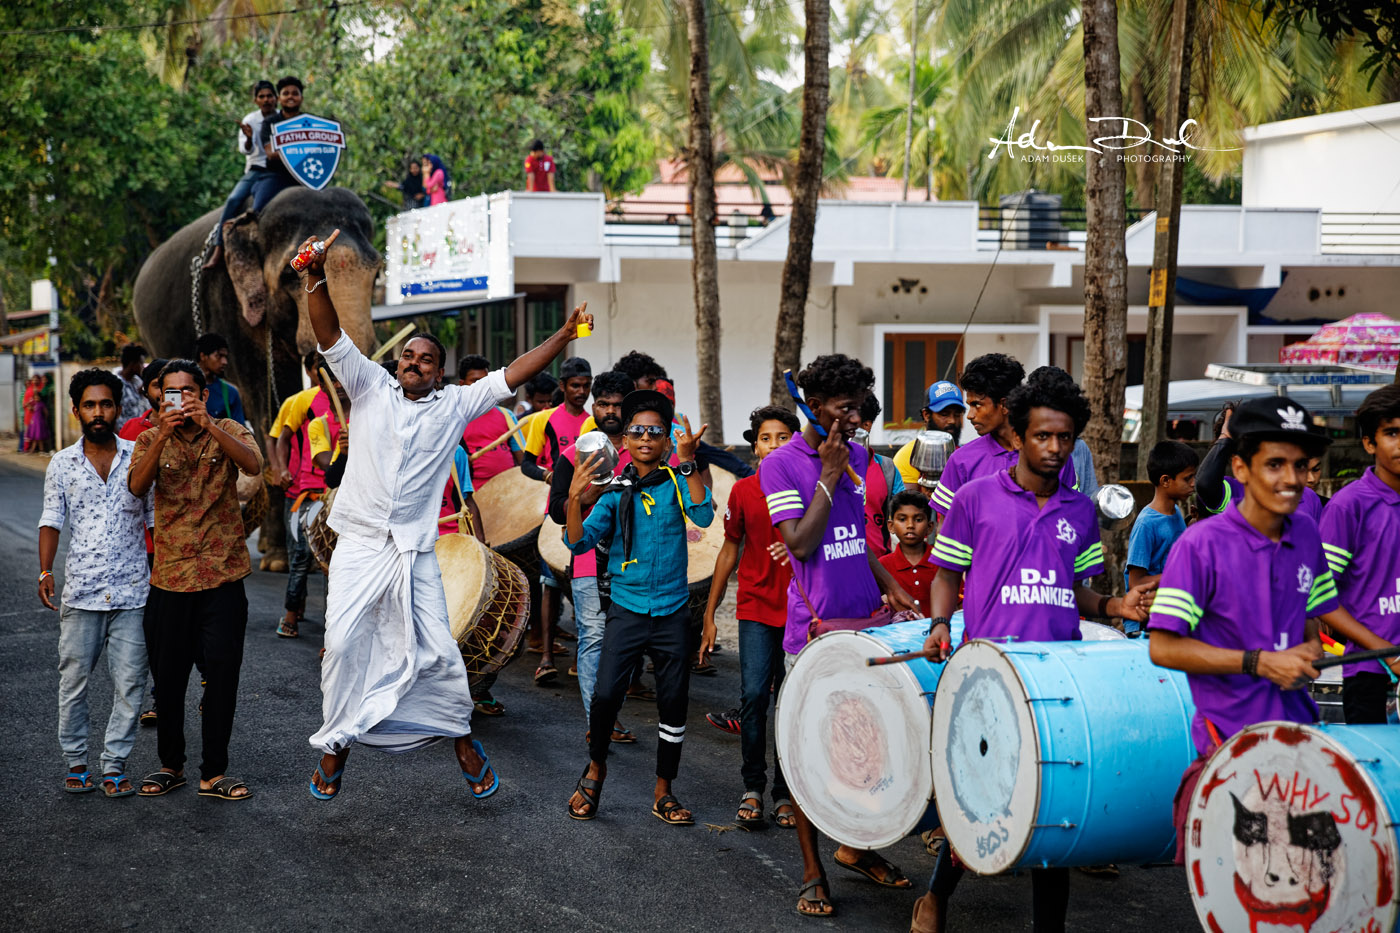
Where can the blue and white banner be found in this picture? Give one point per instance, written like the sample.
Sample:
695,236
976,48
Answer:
438,252
311,147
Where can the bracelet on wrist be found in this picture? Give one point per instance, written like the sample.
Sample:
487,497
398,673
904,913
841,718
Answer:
43,574
822,486
1250,664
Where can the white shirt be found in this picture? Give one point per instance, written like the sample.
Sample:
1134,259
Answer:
106,564
402,453
253,152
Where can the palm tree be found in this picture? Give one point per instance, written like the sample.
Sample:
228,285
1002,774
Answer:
929,156
858,32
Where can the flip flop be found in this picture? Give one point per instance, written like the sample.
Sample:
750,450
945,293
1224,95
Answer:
329,780
489,707
287,631
116,781
785,820
812,885
545,676
646,693
667,805
481,775
84,776
223,789
866,864
148,718
751,801
162,779
623,736
591,791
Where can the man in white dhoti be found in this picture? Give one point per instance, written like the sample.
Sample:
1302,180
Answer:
392,677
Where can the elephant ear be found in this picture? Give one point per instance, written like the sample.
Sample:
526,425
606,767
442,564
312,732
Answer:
243,256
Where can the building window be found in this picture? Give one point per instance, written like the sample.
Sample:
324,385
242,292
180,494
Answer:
912,363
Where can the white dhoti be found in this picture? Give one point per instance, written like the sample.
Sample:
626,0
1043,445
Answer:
392,677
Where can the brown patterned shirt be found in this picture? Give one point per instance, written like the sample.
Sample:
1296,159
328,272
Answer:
199,536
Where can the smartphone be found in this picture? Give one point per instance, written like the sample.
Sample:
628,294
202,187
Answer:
175,398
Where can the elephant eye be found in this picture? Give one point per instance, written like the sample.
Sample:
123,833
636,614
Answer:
1251,828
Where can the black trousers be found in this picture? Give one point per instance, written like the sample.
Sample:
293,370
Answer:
1364,696
181,628
668,639
1049,891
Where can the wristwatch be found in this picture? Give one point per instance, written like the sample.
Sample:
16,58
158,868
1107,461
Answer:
686,468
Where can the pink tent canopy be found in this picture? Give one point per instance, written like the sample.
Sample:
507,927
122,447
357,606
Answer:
1369,340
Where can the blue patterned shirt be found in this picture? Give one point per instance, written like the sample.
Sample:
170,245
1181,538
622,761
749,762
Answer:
106,563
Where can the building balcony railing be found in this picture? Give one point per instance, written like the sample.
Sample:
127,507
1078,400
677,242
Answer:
1360,233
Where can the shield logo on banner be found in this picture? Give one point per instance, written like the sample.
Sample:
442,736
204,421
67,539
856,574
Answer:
311,147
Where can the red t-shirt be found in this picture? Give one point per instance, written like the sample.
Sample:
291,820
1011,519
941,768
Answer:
538,168
130,432
917,579
763,581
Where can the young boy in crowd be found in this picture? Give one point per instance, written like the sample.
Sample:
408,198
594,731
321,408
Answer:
1216,488
1172,467
1239,591
1361,538
911,517
749,537
999,531
644,514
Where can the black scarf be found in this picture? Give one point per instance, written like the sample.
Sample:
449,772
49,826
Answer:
631,481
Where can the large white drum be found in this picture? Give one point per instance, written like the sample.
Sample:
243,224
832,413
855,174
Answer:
1293,827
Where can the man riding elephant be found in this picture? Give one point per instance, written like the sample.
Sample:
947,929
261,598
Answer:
255,301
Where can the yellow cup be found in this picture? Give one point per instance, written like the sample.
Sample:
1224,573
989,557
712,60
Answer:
585,329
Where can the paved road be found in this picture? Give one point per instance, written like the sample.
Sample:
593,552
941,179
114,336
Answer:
405,847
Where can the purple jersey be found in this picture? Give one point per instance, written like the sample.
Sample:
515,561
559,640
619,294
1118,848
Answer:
1021,560
1361,537
982,457
1228,585
1310,505
836,576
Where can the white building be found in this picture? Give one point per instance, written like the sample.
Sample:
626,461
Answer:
895,284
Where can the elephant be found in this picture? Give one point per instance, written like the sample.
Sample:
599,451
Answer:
255,299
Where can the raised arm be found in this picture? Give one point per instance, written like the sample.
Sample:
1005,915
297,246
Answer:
529,365
325,322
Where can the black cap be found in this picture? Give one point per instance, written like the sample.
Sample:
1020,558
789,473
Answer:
574,367
647,400
1277,418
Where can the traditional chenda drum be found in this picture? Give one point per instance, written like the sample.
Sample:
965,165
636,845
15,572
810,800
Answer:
319,536
512,507
1057,754
1294,827
703,545
553,552
488,601
854,741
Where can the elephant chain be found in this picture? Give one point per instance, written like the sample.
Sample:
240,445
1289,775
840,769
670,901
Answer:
196,281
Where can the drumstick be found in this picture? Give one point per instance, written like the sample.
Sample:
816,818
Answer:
408,328
334,396
812,419
524,423
1377,654
911,656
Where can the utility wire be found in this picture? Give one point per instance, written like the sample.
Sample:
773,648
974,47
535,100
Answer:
100,27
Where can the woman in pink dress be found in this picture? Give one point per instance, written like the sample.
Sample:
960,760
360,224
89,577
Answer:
434,179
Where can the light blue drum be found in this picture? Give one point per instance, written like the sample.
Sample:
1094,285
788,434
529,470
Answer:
1295,826
1056,754
854,740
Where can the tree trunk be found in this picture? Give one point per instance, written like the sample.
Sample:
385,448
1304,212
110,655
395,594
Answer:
704,266
1105,258
802,224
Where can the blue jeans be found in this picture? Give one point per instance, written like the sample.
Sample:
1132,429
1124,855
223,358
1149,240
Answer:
761,671
234,205
82,634
298,559
269,186
591,623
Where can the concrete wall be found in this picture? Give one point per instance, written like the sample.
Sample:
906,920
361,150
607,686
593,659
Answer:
1336,162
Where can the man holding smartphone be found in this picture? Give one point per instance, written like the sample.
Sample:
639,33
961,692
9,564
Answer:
197,608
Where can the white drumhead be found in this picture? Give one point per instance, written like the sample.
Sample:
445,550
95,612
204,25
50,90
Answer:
1288,828
552,550
985,771
463,562
1097,631
703,544
853,741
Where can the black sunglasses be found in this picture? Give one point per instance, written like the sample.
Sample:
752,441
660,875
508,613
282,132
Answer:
645,430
